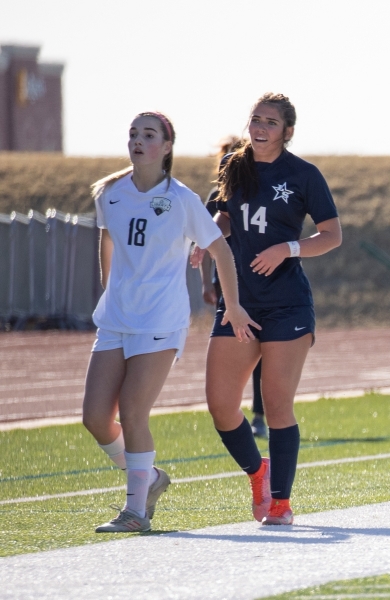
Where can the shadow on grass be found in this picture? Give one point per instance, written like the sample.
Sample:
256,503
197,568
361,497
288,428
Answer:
295,534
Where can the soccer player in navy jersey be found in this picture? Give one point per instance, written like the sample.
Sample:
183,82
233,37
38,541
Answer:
265,192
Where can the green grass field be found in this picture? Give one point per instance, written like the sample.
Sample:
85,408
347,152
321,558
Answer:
50,461
375,588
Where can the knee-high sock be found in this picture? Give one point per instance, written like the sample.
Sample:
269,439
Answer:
257,406
242,446
283,453
139,466
116,451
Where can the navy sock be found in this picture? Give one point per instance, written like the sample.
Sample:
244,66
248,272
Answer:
283,452
257,406
242,446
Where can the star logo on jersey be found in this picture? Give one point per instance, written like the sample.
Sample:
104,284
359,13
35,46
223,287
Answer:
282,192
160,205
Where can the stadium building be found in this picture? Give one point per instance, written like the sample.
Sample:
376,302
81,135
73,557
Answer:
30,101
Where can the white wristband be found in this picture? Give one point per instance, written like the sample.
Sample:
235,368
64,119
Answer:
295,248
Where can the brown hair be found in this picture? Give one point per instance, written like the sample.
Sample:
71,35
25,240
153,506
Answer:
240,170
169,135
231,143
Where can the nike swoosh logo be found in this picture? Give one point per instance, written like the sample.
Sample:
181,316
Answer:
159,338
299,328
114,201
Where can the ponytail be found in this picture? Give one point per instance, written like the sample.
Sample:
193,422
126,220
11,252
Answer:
238,172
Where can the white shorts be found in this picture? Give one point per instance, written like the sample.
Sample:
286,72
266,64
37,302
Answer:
140,343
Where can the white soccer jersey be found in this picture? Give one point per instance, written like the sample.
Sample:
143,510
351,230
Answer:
152,232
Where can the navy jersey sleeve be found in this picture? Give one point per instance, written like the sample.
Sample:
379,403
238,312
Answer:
318,198
222,206
211,203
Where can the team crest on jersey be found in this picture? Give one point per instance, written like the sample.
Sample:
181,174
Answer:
160,205
282,192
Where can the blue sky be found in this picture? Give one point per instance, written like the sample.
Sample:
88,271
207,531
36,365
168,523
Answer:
204,63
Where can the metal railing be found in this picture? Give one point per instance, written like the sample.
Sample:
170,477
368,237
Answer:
49,268
49,271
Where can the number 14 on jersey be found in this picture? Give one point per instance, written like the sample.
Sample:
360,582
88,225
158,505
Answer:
257,219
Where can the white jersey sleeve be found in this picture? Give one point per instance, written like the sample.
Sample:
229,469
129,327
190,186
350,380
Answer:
200,227
100,220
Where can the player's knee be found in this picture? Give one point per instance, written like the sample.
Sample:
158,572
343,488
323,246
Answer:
132,421
93,422
279,416
88,422
218,413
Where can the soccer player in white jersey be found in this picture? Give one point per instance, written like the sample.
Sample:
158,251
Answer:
265,193
147,220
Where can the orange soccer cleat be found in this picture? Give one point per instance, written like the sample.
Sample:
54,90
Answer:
280,513
261,491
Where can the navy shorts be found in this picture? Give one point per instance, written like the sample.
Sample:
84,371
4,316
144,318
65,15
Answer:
279,323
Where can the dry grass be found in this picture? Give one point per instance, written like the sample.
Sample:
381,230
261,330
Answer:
41,181
351,288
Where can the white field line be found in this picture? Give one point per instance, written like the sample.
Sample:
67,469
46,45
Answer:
322,463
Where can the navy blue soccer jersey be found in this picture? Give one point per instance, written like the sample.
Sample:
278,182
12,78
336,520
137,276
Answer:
289,189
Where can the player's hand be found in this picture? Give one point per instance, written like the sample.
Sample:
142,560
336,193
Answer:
266,262
196,257
240,321
209,295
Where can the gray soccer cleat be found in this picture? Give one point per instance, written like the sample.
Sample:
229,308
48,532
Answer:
125,522
155,490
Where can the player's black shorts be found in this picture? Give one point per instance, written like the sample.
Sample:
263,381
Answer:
279,323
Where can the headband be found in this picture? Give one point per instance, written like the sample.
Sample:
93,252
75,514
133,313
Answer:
167,124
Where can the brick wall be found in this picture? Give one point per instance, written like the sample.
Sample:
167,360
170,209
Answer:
30,101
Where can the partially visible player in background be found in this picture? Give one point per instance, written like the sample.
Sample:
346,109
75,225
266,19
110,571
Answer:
212,289
147,220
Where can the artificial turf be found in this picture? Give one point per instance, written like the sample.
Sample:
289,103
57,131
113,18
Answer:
65,459
373,588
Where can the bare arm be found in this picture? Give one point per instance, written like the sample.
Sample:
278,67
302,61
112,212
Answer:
222,219
328,236
237,316
106,247
208,291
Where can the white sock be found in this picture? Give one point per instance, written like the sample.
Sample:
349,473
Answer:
116,451
139,466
